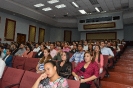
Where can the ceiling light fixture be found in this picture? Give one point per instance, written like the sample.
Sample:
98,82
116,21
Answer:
75,4
60,6
47,9
96,8
53,1
82,11
39,5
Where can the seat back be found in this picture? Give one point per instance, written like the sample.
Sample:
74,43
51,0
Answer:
29,79
105,60
30,64
34,53
19,62
73,83
11,76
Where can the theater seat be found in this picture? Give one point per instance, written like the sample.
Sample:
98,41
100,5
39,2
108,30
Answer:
30,64
19,62
34,53
29,79
11,76
73,83
105,67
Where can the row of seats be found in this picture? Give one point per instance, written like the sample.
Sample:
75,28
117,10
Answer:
121,76
17,78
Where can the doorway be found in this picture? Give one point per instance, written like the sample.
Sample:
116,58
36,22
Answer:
67,35
21,38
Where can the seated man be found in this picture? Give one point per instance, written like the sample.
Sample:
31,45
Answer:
106,51
78,56
53,52
21,50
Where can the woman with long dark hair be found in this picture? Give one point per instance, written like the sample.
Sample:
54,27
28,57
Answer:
99,57
64,66
50,79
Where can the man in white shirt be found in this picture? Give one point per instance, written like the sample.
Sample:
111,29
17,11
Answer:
106,51
85,46
37,48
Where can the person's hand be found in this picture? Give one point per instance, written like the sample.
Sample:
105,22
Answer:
82,81
40,72
43,76
76,78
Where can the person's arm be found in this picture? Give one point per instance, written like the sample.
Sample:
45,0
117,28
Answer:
36,84
72,58
111,54
101,60
37,68
75,71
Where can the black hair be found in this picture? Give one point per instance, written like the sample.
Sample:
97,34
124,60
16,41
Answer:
52,43
81,45
29,48
67,57
99,53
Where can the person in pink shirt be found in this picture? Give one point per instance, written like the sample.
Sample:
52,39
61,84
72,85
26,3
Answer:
66,48
53,52
99,58
28,53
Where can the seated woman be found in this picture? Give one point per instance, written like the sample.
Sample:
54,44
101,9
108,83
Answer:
66,47
50,79
86,71
98,57
47,57
40,52
28,53
64,66
8,58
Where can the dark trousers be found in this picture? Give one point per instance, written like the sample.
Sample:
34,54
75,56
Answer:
84,85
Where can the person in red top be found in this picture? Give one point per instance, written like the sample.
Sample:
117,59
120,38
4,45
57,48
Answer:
86,71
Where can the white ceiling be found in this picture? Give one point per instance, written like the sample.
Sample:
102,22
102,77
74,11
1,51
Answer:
26,8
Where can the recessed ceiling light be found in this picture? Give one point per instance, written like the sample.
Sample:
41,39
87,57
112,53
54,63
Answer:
82,11
47,9
39,5
53,1
75,4
96,8
60,6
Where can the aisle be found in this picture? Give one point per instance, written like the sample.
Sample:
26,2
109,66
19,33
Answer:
122,75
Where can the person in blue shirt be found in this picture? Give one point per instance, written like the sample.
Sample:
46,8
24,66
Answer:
79,55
